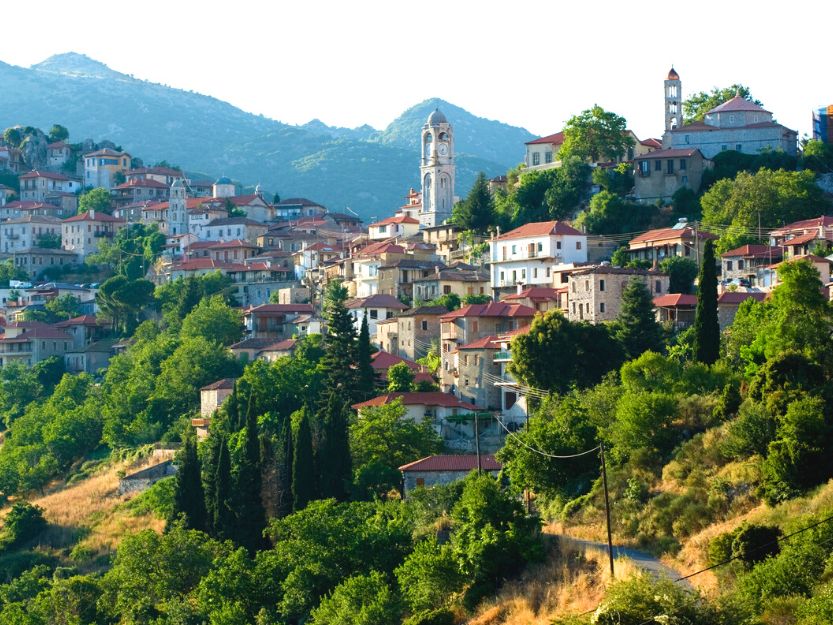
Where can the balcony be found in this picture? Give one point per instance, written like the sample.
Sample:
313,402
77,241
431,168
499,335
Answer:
103,233
503,357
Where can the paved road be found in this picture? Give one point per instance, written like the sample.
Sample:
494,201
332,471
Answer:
643,560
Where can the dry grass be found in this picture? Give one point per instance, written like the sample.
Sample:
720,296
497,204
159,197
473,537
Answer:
571,580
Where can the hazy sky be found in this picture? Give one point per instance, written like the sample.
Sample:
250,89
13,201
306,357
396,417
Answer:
530,64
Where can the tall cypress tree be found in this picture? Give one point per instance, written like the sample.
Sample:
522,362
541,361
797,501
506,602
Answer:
339,343
477,211
189,498
334,463
303,465
365,387
283,468
637,329
706,326
251,518
223,523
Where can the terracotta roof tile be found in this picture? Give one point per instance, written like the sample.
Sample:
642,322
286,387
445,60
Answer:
417,398
459,462
556,139
540,229
675,300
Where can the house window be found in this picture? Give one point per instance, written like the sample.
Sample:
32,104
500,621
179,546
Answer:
723,148
601,285
578,245
573,287
658,286
645,168
587,285
587,307
420,481
424,325
669,166
536,159
728,265
514,249
688,138
466,361
683,164
535,272
574,308
739,147
502,278
446,289
558,245
540,247
374,314
740,264
658,165
548,157
601,307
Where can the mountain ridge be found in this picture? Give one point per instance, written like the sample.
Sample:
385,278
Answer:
364,168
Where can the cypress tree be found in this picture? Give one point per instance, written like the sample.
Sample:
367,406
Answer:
223,523
365,388
251,518
334,463
476,212
283,468
339,343
706,326
637,329
303,465
189,498
209,479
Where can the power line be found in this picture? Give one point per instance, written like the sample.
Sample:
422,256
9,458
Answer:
543,453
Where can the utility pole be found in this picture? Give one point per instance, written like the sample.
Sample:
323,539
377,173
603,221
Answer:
607,509
477,444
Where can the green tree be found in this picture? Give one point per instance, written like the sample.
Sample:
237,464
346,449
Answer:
569,188
9,271
97,199
366,375
450,300
333,452
818,156
618,180
706,326
189,499
359,600
476,211
609,213
23,523
58,133
530,198
636,326
698,104
13,137
214,320
223,523
132,252
644,425
248,506
276,460
765,199
122,300
681,273
400,378
49,241
429,576
339,343
382,440
557,354
596,135
303,465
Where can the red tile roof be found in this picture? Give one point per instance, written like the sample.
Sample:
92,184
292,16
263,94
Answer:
381,247
492,309
737,104
805,224
675,300
99,216
487,342
398,219
382,360
652,143
737,297
534,293
459,462
282,346
142,182
556,139
83,320
753,250
417,398
380,300
665,234
802,238
540,229
280,308
44,174
106,152
225,383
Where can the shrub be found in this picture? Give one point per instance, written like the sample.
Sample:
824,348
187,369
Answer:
429,576
755,543
359,600
440,616
23,523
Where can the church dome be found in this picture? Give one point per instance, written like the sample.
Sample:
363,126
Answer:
436,118
673,75
223,180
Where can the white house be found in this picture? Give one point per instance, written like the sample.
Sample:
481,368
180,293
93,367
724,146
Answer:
36,185
397,226
26,232
377,307
527,255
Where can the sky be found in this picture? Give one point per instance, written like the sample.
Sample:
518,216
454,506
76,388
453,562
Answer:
531,64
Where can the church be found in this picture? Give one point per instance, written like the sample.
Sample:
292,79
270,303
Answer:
737,124
436,171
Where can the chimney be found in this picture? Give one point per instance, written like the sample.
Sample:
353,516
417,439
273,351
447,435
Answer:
519,287
92,213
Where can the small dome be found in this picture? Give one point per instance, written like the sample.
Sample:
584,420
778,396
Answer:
223,180
436,118
673,75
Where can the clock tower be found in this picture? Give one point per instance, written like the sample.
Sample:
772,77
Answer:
436,170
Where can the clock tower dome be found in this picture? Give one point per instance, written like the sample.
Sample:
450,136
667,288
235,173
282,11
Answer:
436,170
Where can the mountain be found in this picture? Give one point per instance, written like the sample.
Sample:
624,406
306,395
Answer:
368,170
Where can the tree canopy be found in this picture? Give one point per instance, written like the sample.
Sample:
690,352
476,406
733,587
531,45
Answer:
698,104
595,135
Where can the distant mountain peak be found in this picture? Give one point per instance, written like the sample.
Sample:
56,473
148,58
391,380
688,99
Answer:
75,64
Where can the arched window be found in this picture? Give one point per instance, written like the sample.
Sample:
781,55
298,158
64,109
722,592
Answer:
426,193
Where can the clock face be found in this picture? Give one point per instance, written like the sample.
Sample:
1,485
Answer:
442,149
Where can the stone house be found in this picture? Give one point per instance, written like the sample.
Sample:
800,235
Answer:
676,309
460,279
660,174
540,298
30,342
399,277
444,239
595,293
212,397
27,231
728,303
679,240
36,186
83,233
231,228
743,263
434,470
416,329
377,308
57,154
273,321
474,370
399,226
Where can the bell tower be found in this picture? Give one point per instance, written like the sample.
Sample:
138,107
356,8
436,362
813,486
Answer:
436,170
673,101
177,209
